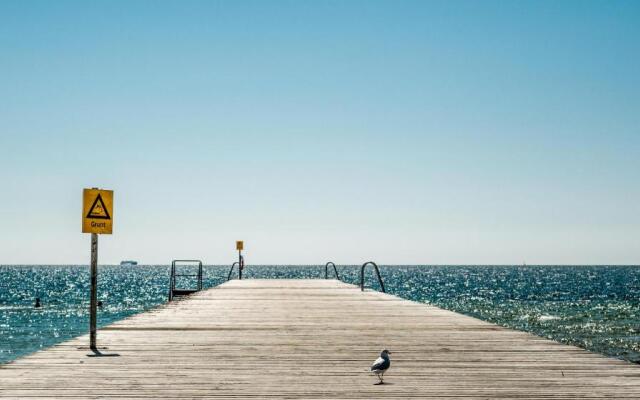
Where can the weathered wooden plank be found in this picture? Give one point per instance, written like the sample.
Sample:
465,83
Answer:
313,339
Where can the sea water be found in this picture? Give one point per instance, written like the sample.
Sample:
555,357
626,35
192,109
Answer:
594,307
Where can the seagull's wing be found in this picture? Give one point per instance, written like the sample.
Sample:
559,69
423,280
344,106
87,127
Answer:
380,364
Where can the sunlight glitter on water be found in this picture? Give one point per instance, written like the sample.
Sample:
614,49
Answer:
593,307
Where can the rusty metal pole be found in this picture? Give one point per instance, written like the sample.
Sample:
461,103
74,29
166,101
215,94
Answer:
93,308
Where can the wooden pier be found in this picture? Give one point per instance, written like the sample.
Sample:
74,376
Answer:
312,339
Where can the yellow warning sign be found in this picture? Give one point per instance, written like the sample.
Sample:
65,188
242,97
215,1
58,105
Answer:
97,211
239,244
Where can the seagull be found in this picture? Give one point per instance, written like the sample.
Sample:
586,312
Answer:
381,365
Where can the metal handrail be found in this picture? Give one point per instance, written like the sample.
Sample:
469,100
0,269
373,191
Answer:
377,273
326,270
231,270
172,280
233,265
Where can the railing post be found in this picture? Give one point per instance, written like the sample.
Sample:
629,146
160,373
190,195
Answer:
172,282
380,278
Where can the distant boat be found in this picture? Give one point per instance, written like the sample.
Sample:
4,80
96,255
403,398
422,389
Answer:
128,263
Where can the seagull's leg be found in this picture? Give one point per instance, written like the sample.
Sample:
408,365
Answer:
382,377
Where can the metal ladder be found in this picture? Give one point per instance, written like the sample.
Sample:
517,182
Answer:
377,273
173,291
326,270
233,265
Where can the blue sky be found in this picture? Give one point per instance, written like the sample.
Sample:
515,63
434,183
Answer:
404,132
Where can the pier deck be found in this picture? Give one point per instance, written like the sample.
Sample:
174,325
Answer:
309,339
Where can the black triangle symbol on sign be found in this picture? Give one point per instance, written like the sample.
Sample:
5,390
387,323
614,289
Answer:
98,210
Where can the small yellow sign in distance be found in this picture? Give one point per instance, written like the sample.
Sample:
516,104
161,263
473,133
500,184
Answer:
97,211
239,245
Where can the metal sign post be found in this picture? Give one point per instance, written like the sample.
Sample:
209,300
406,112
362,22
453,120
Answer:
97,217
93,308
240,247
240,266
